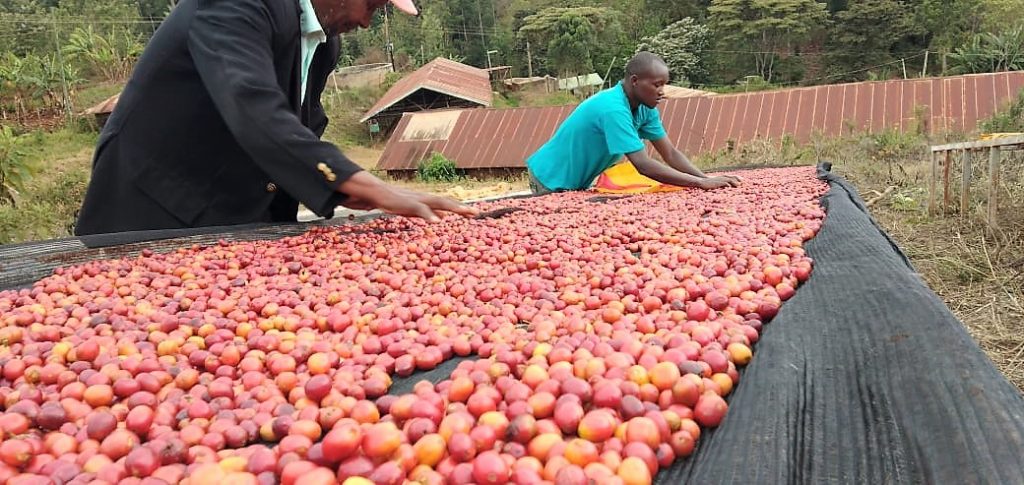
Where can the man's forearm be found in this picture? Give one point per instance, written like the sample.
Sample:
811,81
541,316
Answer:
665,174
679,162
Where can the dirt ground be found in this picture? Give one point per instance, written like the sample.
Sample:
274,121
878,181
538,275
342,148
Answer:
363,156
467,189
978,271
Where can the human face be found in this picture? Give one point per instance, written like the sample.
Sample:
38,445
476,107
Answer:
337,16
649,87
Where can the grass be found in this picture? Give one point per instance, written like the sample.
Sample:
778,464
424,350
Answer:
59,162
557,98
533,98
977,271
344,108
90,96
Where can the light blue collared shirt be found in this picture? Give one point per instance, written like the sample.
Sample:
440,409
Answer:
312,36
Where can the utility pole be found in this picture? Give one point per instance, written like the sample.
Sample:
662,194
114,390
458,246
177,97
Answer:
480,20
924,70
387,35
904,62
68,108
608,72
529,59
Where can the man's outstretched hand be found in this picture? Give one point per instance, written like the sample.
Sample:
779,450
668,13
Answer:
720,181
735,181
366,192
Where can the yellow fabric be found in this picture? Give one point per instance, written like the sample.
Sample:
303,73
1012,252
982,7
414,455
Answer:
623,178
992,136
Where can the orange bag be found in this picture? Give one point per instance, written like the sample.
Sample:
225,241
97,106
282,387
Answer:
623,178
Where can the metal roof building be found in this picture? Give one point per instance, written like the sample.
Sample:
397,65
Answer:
103,110
504,138
440,83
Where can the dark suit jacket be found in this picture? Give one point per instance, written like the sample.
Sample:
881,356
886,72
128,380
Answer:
210,129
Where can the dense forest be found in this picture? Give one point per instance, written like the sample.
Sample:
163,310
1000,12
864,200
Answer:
711,42
50,46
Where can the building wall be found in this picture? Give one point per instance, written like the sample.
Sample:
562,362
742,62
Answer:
367,76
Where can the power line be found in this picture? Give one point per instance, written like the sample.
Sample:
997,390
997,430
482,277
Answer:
822,78
79,22
818,54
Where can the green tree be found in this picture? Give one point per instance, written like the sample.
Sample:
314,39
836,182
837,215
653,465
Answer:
990,53
949,23
682,45
107,10
433,41
543,25
645,18
32,83
14,171
155,9
569,48
999,16
109,55
23,28
766,28
471,28
865,35
565,29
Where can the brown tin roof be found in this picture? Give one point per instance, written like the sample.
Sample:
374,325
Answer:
443,76
504,138
104,107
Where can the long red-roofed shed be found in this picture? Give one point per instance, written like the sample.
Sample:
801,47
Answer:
502,139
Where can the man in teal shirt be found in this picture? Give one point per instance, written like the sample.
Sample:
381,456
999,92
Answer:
612,124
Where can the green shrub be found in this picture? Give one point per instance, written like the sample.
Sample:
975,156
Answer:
14,171
437,168
1010,120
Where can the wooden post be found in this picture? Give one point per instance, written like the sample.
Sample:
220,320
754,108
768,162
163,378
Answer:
965,184
945,182
529,60
932,196
993,186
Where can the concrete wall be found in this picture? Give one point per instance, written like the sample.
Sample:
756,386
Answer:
366,75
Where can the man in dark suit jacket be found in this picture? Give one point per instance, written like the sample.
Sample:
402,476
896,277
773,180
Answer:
213,128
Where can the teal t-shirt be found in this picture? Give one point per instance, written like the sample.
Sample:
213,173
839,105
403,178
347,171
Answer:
594,137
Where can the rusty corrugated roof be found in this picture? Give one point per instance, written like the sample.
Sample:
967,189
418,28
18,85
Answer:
504,138
104,107
441,75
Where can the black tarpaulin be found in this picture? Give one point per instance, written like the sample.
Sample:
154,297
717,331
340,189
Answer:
865,376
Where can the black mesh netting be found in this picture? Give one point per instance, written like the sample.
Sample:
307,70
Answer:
865,376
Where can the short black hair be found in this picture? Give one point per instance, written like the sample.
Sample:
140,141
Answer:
643,63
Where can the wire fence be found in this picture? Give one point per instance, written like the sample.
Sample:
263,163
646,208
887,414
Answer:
46,58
